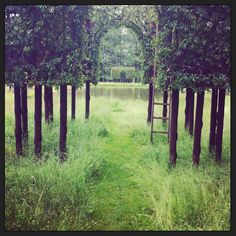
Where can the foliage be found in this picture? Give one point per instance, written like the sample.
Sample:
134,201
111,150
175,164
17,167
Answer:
137,18
44,44
60,44
119,47
194,45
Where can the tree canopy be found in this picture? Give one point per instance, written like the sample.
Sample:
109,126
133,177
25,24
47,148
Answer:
60,44
45,44
194,45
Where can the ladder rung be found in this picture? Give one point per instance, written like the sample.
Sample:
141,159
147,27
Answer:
160,132
160,118
160,103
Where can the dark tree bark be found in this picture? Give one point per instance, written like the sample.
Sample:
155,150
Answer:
150,97
87,99
18,130
24,112
46,103
191,112
220,124
50,104
198,128
186,123
38,120
73,96
63,121
165,99
174,125
212,138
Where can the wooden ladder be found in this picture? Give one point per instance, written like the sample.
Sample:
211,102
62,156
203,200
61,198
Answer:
153,117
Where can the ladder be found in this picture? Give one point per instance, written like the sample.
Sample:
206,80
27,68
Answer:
153,117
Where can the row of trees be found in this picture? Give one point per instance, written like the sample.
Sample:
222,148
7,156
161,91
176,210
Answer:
44,46
55,46
194,54
59,45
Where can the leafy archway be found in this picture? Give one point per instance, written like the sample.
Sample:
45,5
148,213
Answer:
145,32
115,40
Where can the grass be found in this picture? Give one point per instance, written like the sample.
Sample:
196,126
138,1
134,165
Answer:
121,85
114,179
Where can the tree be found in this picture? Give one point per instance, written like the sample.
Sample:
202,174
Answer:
201,59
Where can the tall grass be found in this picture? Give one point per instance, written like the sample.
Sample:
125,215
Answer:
114,179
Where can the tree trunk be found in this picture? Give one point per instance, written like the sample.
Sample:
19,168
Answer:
38,120
87,99
174,125
24,112
165,99
46,103
50,104
186,123
191,112
18,130
73,96
150,97
214,97
220,124
198,128
63,121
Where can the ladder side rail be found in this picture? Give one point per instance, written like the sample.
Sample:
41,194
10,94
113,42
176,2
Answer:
153,82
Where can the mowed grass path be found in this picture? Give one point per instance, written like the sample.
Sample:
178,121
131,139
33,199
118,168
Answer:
114,179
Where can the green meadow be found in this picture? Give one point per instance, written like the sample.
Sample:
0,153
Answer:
114,178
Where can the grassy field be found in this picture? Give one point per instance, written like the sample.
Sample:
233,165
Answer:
114,179
116,84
